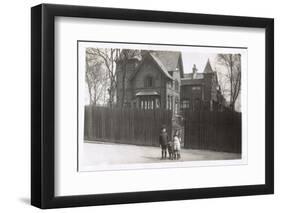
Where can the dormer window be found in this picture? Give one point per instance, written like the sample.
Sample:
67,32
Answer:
148,82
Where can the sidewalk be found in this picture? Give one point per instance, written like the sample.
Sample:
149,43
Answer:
100,153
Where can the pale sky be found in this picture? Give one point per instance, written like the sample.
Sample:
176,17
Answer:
199,59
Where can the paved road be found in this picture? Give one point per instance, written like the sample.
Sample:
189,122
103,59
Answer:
96,153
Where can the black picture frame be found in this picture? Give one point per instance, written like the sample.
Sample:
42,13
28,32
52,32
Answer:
43,105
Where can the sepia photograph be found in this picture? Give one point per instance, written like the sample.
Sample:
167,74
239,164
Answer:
150,106
133,106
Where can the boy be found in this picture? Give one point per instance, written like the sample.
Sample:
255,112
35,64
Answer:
163,141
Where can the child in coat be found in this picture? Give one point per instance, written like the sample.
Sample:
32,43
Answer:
177,146
171,150
163,141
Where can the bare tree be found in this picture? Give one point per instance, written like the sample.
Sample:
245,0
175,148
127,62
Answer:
223,83
95,78
231,80
108,57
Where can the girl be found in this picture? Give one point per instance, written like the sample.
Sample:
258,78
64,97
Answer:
177,146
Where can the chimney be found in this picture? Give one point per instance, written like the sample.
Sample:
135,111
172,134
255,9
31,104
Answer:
194,69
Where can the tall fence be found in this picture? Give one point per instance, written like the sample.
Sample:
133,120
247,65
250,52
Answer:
218,131
125,125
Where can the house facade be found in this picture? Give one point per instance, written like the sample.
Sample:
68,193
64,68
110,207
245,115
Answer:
151,82
201,91
156,79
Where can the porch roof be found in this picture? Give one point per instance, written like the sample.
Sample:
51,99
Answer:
147,93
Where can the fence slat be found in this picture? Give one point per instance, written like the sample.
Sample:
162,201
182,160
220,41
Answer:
125,125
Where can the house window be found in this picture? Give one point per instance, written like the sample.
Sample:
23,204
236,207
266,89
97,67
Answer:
196,88
176,105
148,82
149,102
185,104
170,84
169,102
176,85
157,103
142,104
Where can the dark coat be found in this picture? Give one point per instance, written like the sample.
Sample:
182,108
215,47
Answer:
163,139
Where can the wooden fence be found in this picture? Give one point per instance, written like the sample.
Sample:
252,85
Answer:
219,131
125,125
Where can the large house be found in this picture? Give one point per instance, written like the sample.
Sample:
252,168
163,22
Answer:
202,90
156,79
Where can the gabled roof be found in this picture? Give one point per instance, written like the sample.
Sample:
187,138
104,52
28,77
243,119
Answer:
169,59
161,65
166,61
208,67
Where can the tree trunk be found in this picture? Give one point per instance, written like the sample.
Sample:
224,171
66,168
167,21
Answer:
123,83
90,94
